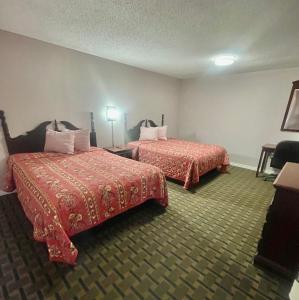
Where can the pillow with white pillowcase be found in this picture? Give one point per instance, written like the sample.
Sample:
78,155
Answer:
148,134
61,142
162,133
82,138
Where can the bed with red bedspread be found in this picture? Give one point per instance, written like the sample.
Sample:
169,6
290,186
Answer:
63,194
181,160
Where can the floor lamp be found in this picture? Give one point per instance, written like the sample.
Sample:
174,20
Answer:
111,116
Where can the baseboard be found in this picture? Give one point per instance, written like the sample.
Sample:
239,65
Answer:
268,170
243,166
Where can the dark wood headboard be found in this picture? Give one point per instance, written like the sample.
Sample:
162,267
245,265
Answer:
34,140
133,134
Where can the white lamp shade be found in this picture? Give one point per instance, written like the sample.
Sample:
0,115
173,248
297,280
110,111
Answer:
111,113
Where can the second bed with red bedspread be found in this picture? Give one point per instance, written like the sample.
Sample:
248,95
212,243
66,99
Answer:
64,194
181,160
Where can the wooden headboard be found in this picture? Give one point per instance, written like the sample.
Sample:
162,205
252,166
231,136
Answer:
34,140
133,134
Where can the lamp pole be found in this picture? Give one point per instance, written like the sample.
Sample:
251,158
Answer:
112,129
111,115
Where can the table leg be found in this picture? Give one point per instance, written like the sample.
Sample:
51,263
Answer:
259,164
265,160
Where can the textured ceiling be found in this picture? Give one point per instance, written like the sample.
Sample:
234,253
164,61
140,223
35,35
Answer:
174,37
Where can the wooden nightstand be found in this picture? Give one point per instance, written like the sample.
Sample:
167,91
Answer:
121,151
267,150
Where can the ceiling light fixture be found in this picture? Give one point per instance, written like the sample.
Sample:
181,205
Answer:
224,60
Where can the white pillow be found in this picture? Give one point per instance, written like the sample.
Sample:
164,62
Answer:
148,133
82,139
62,142
162,133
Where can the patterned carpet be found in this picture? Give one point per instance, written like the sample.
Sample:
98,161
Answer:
200,247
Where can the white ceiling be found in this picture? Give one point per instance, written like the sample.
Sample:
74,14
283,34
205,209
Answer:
174,37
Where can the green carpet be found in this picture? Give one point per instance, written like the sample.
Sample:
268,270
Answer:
200,247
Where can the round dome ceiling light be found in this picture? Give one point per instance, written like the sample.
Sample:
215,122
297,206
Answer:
224,60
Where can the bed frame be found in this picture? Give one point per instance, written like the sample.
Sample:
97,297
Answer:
133,134
34,140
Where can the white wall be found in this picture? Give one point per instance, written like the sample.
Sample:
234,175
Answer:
41,81
241,112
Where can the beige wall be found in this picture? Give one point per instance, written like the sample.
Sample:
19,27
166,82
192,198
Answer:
40,81
241,112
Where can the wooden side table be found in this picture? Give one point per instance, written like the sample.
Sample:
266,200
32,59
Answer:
278,247
267,150
123,151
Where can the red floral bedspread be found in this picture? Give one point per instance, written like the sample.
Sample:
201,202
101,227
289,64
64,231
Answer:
63,195
182,160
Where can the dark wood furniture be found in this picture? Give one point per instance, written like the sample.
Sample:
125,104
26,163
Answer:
133,134
278,248
34,140
121,151
267,150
